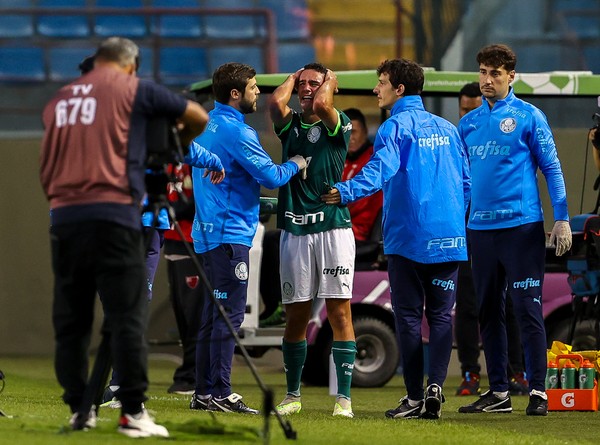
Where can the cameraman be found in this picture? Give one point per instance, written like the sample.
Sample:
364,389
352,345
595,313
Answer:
92,172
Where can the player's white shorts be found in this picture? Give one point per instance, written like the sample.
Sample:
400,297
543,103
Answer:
318,264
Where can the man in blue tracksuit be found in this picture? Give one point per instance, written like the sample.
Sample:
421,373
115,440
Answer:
224,226
508,140
420,162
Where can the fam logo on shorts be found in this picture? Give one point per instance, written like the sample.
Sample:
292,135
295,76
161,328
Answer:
288,289
508,125
241,271
314,134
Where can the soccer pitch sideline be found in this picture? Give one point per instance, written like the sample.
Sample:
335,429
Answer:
37,415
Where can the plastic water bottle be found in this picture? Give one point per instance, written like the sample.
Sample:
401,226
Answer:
552,375
587,373
567,376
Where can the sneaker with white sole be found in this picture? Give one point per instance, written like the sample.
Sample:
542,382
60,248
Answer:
290,405
140,425
433,402
231,404
488,402
405,410
343,408
109,399
89,423
201,402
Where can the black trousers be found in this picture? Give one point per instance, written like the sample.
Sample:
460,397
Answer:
108,259
186,293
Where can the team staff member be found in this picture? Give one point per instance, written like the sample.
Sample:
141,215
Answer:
421,164
317,245
225,224
92,161
508,139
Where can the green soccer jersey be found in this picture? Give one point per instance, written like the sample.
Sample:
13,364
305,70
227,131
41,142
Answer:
300,210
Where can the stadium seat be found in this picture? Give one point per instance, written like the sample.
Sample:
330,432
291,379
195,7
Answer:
127,25
64,62
176,26
182,65
22,64
252,56
291,17
234,26
15,25
292,56
67,26
146,68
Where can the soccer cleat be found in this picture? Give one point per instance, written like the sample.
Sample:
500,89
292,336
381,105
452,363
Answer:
343,408
89,424
201,403
288,406
405,410
518,385
538,404
433,402
140,425
231,404
183,388
469,385
277,318
109,399
488,402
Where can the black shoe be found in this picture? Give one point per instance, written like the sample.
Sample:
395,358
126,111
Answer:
488,402
433,402
470,385
231,404
404,410
518,385
538,406
181,388
201,403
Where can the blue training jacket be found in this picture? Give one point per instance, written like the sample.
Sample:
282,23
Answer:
506,145
227,213
421,164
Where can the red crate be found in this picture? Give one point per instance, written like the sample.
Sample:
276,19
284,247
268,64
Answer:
572,399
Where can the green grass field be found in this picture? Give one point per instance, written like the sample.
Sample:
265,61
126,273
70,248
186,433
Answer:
37,415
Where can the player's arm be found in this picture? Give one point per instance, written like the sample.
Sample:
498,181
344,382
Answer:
323,101
280,112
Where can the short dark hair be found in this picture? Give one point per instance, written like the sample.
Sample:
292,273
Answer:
404,72
354,114
497,55
470,89
87,64
318,67
231,76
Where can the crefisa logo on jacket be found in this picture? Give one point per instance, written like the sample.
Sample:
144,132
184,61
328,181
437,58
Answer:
241,271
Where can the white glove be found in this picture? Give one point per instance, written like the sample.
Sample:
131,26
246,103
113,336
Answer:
301,163
561,235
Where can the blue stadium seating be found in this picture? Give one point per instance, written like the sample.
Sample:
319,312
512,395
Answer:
177,26
126,25
182,65
292,56
15,25
68,26
250,55
22,64
64,62
146,68
234,26
291,17
592,57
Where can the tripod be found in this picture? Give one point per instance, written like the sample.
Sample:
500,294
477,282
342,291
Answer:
98,379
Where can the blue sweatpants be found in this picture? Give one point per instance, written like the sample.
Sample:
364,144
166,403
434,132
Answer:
226,267
512,258
414,285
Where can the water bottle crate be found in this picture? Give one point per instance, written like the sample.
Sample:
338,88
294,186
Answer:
572,399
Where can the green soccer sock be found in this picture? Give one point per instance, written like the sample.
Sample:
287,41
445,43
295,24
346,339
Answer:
344,353
294,356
